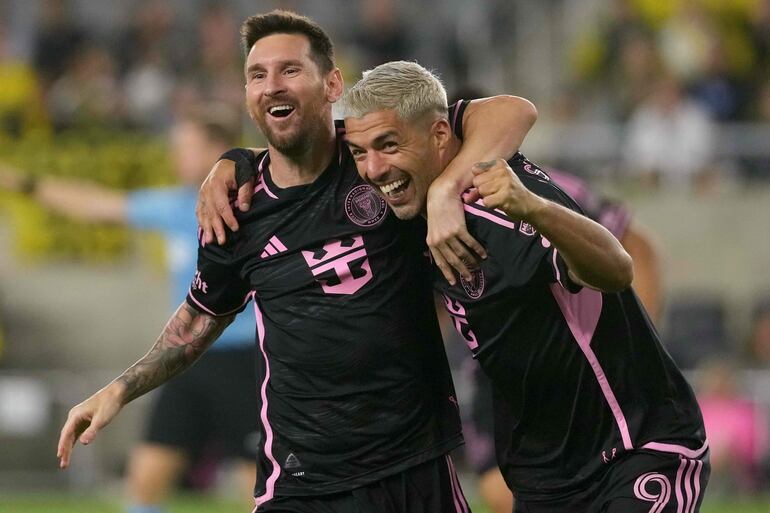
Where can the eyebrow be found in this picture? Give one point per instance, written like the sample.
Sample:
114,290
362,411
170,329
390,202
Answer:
291,62
383,137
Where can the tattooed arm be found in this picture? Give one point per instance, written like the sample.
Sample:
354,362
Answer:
184,338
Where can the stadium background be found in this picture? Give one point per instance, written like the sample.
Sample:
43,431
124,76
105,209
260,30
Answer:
88,87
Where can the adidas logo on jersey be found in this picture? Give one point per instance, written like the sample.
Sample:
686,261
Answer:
273,247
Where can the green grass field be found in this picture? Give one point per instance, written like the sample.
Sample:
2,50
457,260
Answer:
51,503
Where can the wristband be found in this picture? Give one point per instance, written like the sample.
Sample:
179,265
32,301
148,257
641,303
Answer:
245,162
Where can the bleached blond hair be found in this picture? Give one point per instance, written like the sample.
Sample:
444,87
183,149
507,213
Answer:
405,87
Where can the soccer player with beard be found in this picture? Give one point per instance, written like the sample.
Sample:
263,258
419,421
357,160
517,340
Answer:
591,414
356,405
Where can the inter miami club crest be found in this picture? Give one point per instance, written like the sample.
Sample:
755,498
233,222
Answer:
364,206
475,287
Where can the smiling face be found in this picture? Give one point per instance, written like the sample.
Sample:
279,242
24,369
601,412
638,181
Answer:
399,159
287,94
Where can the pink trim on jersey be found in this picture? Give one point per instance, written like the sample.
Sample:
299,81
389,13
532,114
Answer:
270,483
556,271
190,295
461,505
490,217
261,184
582,312
202,307
457,111
677,449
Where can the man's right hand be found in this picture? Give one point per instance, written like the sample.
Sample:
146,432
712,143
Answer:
86,419
213,208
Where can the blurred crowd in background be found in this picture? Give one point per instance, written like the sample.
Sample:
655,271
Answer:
673,72
650,96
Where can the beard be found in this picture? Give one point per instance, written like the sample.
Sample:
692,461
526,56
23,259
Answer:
297,140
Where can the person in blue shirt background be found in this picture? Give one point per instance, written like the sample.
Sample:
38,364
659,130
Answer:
198,410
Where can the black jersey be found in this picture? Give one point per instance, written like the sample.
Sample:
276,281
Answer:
353,382
579,376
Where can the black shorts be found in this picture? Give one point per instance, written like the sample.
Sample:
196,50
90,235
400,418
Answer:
639,482
213,402
431,487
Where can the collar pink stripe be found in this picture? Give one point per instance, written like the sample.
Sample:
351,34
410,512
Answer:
261,184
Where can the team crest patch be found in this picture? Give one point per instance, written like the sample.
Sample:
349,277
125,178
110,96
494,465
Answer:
475,287
364,206
526,229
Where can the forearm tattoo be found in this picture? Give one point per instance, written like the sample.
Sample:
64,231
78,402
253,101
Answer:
185,337
487,164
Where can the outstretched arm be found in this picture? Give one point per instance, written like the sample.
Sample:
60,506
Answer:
73,198
184,338
593,255
493,128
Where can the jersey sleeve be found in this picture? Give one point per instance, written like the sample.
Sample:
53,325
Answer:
456,112
245,164
532,258
217,287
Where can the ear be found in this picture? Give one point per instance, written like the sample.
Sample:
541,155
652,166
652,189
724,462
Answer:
441,133
334,85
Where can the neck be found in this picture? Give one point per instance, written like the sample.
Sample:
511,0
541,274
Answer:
305,167
451,150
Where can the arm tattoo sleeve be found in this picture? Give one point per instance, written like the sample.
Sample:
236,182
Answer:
185,337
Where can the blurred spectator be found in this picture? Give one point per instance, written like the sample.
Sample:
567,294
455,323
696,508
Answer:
757,165
219,71
759,335
686,39
670,139
618,61
759,33
21,105
148,53
88,93
381,36
736,428
717,88
58,40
